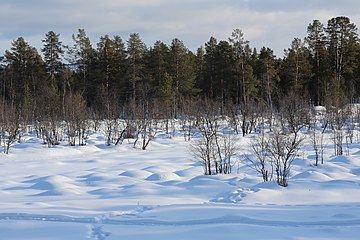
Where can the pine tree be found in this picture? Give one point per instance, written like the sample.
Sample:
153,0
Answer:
246,83
52,51
316,41
135,50
200,67
24,78
157,67
225,81
342,47
207,83
183,72
267,73
166,93
106,60
296,68
80,56
120,68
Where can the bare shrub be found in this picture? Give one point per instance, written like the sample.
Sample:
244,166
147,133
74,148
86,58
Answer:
145,124
10,125
214,149
261,160
283,149
316,134
190,117
76,118
338,119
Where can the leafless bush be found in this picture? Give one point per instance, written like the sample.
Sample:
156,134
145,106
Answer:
163,112
214,149
50,123
261,160
283,149
226,150
51,132
115,122
10,125
351,125
243,117
145,125
201,150
247,117
146,130
316,135
76,118
214,152
338,118
294,113
317,140
191,115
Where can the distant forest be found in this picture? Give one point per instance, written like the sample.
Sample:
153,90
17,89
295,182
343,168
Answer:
121,78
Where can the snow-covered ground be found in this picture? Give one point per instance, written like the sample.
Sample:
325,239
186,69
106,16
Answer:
121,192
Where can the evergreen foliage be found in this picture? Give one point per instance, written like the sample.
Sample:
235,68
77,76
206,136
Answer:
323,68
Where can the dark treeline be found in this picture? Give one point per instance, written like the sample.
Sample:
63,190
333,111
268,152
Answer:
118,78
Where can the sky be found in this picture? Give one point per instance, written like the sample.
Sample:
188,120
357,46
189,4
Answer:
270,23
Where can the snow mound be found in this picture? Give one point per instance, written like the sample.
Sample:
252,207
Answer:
340,159
190,172
163,193
55,185
164,167
136,174
93,177
270,185
313,175
342,184
356,171
164,177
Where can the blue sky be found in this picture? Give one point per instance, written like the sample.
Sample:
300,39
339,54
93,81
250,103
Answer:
271,23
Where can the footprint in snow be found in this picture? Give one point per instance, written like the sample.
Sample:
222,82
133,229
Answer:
234,196
97,233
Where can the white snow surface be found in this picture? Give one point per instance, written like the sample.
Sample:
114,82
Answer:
121,192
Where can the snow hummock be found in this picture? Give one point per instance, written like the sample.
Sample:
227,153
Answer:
121,192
